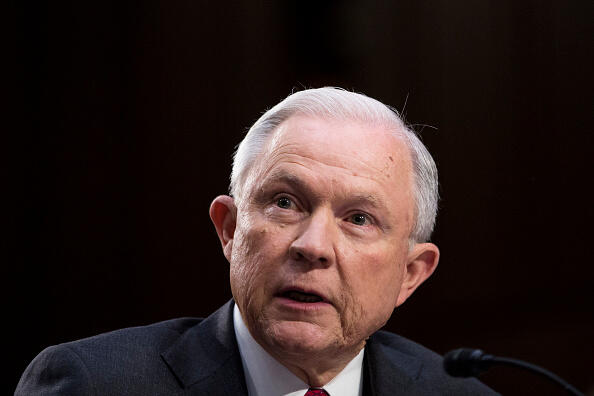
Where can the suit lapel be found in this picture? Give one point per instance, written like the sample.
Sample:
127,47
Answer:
206,360
387,371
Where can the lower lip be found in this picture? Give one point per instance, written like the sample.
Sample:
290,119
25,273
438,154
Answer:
302,306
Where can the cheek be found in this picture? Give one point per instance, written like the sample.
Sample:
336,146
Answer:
374,288
255,252
381,283
245,265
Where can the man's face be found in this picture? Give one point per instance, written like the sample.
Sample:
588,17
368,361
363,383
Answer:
320,244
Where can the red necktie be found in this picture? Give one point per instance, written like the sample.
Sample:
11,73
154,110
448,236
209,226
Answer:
316,392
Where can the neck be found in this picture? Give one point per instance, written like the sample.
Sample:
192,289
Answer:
318,369
315,368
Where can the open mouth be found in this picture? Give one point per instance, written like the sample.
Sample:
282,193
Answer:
301,296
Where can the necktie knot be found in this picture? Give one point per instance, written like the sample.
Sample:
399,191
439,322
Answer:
316,392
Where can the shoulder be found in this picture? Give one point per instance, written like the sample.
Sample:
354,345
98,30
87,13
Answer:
150,337
107,360
418,366
126,346
391,342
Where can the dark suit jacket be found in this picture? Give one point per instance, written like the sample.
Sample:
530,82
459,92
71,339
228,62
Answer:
190,356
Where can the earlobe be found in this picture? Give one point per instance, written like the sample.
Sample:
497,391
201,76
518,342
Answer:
422,261
223,214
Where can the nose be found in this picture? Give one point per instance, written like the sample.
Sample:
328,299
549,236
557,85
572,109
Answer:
315,241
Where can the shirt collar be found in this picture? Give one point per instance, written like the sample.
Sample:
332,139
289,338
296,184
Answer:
265,376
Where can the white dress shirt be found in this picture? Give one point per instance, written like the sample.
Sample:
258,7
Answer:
265,376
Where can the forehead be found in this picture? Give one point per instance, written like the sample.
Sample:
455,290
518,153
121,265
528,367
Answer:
338,153
370,150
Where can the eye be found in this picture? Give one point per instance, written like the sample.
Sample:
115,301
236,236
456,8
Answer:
359,219
284,203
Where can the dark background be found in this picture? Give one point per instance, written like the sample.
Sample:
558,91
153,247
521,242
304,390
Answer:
123,116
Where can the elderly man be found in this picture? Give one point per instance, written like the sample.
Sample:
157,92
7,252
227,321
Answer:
326,231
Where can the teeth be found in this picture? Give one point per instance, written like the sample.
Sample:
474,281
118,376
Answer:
303,297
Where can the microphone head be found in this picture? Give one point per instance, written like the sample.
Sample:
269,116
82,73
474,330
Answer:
466,362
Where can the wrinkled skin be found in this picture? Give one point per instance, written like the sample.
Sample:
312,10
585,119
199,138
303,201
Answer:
327,208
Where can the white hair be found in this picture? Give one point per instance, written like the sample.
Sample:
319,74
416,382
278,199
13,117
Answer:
336,103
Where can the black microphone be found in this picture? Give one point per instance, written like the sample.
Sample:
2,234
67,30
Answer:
466,362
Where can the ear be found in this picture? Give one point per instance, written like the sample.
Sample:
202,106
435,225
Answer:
223,214
421,262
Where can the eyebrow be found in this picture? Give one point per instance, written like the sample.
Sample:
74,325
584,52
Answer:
366,199
282,176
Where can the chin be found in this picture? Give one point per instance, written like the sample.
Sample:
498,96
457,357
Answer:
299,338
